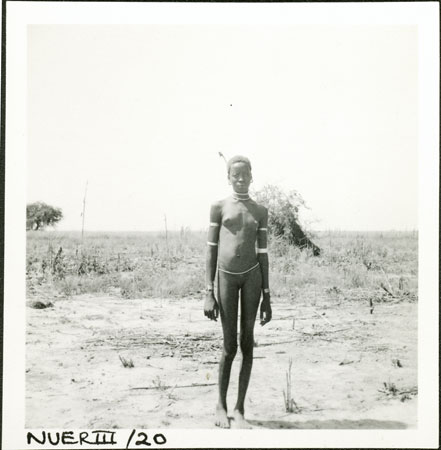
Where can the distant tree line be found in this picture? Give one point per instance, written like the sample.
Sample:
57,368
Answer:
39,215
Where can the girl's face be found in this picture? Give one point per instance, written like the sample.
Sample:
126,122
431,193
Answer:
240,177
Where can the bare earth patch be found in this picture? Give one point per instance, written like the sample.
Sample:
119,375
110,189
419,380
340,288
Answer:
350,368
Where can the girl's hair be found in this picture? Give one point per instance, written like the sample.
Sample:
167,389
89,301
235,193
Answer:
238,158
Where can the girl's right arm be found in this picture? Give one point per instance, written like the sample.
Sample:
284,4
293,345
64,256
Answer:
211,309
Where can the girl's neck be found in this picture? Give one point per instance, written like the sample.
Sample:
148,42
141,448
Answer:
240,196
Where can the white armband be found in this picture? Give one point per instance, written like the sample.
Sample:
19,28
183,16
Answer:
262,250
262,229
214,224
214,244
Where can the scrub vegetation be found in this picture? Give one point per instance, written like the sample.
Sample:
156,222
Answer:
370,266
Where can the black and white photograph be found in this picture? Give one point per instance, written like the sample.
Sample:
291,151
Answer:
221,225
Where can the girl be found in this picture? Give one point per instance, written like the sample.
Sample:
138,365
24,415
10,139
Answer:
237,224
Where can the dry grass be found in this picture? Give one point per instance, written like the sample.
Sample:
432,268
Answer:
127,363
392,391
126,264
290,404
370,266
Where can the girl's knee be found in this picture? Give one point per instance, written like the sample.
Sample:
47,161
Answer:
230,350
247,345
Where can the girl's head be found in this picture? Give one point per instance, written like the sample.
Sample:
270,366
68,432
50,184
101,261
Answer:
239,173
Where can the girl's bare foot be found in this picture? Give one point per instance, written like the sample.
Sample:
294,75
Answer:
222,420
239,420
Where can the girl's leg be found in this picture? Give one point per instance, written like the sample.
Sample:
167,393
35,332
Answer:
249,303
228,294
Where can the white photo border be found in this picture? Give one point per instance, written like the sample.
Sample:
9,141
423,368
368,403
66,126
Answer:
425,15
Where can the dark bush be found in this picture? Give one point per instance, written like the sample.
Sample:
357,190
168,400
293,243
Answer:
283,216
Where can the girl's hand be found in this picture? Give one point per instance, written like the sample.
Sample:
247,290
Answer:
211,308
265,309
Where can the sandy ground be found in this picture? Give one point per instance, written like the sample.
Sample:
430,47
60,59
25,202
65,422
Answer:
341,358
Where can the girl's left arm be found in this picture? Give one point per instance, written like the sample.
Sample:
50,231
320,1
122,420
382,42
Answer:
262,257
262,250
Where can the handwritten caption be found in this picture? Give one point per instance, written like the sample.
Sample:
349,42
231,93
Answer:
136,439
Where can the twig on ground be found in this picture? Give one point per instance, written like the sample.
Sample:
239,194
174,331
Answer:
337,331
412,391
322,317
265,344
293,317
389,290
322,332
162,387
347,361
318,335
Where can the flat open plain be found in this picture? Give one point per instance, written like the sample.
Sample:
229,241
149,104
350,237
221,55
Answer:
351,369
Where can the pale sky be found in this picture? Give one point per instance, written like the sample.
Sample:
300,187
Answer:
141,112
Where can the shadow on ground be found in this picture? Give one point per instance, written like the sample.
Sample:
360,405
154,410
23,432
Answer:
365,424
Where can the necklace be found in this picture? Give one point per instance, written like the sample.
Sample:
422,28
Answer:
239,196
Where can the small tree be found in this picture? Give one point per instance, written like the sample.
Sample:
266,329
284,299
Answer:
39,215
283,216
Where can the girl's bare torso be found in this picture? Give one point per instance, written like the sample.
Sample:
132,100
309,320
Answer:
239,222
